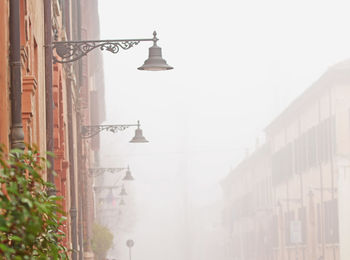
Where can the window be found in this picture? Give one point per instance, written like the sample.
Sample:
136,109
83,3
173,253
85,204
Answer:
282,164
331,224
274,231
326,139
288,220
302,219
312,147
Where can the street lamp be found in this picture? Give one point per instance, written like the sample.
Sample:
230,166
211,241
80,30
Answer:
123,191
88,131
121,203
69,51
94,172
110,198
128,176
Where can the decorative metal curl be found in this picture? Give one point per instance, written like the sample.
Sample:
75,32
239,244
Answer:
94,172
89,131
101,188
70,51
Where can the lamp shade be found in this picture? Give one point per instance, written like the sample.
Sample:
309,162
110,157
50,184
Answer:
155,61
128,176
138,138
123,191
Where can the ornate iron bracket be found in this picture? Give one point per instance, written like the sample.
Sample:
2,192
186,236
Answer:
69,51
88,131
94,172
100,188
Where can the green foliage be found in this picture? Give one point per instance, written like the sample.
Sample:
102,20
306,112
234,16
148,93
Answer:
102,241
29,218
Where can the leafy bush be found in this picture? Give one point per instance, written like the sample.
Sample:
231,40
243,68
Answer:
29,218
102,241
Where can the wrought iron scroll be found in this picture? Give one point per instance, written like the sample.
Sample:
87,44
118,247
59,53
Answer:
99,171
74,50
92,130
101,188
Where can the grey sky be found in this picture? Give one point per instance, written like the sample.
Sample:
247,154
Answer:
237,64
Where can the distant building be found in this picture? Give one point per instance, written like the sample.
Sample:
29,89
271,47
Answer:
248,208
298,170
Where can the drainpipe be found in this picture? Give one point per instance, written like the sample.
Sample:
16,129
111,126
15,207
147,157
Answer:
17,134
82,225
48,89
72,180
81,180
73,200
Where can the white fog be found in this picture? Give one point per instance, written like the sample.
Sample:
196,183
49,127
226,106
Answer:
237,66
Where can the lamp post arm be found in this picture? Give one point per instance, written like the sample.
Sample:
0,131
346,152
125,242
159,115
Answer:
89,131
94,172
100,188
69,51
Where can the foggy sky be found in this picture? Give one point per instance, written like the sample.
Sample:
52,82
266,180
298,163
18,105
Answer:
238,64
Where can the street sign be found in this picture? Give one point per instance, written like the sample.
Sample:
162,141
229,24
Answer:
130,243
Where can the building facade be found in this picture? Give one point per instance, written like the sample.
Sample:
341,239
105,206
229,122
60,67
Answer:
248,203
299,171
44,104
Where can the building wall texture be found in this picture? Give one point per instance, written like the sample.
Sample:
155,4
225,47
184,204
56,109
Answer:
75,87
286,201
4,75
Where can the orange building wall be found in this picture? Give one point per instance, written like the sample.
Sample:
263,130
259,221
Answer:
33,73
60,141
33,98
4,75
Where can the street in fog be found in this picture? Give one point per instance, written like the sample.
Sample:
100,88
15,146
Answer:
177,130
226,174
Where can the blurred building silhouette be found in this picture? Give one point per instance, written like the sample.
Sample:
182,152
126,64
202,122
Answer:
282,201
